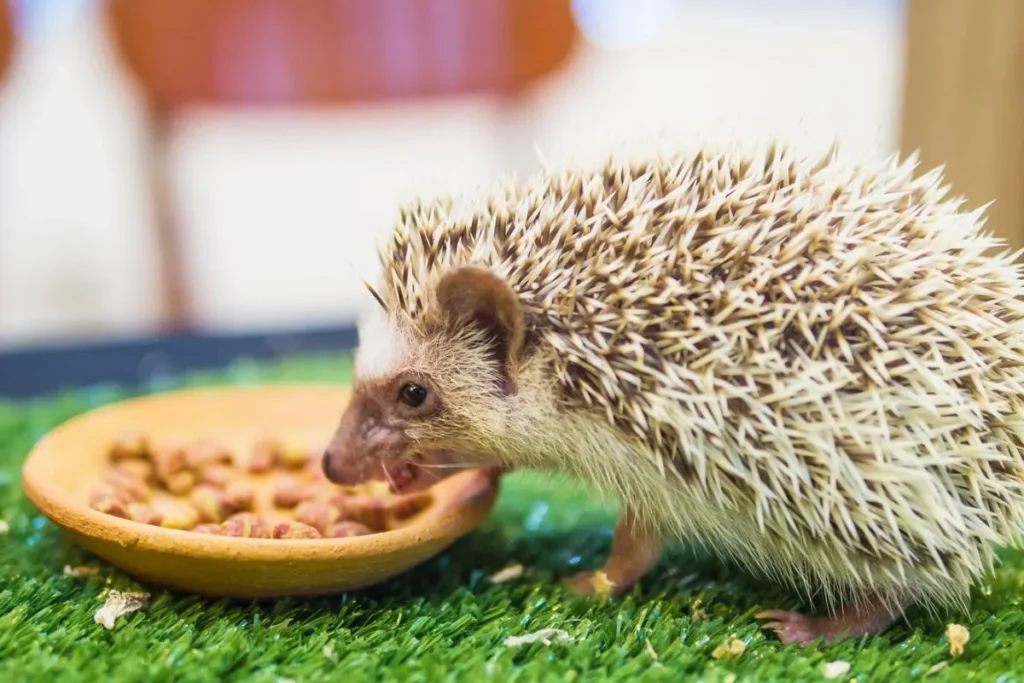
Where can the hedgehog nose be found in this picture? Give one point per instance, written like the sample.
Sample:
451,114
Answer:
327,466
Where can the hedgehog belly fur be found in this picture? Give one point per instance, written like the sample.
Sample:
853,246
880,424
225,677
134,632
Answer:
818,368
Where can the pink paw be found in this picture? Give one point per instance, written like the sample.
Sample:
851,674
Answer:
792,627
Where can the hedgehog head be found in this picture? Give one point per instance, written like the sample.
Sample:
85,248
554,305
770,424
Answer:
430,387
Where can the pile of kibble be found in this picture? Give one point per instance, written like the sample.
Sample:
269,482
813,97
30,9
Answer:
203,487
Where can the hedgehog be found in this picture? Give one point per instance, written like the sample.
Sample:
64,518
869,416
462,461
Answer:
811,366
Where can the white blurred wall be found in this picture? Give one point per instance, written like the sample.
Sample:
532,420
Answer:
281,210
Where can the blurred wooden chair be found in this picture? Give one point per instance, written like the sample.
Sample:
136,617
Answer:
6,39
309,53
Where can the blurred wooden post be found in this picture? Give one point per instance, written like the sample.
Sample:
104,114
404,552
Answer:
963,102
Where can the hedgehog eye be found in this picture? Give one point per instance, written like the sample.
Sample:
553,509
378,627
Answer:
413,395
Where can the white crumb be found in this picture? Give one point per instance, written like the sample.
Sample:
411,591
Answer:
545,635
329,652
118,604
509,573
80,571
836,669
4,527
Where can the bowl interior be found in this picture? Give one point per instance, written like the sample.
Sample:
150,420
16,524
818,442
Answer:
63,467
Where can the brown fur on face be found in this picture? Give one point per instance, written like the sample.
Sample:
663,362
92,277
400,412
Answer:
464,355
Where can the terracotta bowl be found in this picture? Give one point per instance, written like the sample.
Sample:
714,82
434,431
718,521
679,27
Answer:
67,462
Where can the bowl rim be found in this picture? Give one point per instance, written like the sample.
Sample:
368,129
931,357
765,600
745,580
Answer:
437,523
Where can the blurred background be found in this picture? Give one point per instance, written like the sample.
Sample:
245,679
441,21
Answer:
216,166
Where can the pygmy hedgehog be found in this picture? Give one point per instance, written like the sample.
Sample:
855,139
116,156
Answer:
815,367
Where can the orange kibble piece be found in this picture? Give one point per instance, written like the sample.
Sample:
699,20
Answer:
246,526
128,486
208,501
239,496
265,456
317,514
289,491
217,474
208,529
168,462
180,516
207,452
106,501
144,514
348,529
141,470
295,530
404,507
180,483
365,510
129,446
293,456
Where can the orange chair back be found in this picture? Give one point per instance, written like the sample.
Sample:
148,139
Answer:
6,38
264,52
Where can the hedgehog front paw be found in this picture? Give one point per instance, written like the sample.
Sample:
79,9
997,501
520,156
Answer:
593,584
792,627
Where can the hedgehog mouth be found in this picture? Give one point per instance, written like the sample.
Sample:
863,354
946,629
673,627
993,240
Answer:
402,475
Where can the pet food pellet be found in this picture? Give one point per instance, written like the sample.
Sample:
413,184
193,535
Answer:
180,483
293,457
139,512
246,526
295,530
238,496
108,503
206,453
264,457
128,486
208,502
289,491
129,446
180,516
319,515
139,469
217,475
348,529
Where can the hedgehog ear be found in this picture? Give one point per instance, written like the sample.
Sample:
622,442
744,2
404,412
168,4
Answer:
478,297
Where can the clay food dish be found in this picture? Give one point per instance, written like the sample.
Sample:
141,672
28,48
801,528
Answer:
68,463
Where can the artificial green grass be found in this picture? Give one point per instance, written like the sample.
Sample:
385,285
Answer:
444,620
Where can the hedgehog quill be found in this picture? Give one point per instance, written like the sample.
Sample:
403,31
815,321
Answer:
815,367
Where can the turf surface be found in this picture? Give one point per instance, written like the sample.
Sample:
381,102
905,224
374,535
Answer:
444,620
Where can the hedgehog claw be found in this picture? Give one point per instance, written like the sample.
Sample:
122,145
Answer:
870,617
792,627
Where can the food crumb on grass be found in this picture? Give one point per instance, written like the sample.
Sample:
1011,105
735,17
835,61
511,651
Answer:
733,648
80,571
836,669
957,636
650,650
4,527
509,573
118,604
545,636
603,586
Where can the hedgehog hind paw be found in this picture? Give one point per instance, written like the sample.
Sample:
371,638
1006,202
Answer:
793,628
